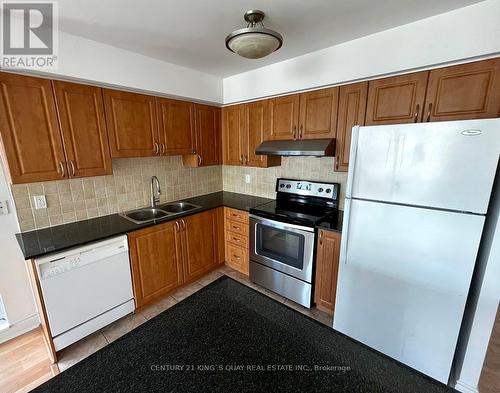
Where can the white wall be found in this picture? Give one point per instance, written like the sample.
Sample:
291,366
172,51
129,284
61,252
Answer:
15,286
457,35
82,59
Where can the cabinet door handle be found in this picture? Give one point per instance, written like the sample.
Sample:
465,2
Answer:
301,130
294,133
61,167
199,159
72,165
320,238
163,148
416,112
183,224
429,112
177,226
241,159
157,148
246,160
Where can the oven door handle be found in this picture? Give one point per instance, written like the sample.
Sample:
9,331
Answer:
280,225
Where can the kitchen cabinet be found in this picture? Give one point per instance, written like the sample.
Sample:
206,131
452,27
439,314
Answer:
199,233
245,127
207,137
327,268
466,91
132,124
318,114
176,126
283,117
31,139
156,259
237,245
83,127
352,108
398,99
232,122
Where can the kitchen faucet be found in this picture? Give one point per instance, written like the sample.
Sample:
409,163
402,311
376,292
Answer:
155,194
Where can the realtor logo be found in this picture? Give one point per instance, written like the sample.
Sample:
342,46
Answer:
29,38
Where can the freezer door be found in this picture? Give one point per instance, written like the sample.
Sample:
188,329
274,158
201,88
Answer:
403,281
448,165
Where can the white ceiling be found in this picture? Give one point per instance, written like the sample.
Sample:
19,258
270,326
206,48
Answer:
191,32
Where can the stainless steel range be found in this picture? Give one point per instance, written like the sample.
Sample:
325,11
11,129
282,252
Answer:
283,237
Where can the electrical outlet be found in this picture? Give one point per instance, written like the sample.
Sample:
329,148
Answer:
248,179
4,207
40,202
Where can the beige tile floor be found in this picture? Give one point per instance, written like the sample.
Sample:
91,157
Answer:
87,346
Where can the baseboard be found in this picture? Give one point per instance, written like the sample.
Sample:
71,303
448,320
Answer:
19,328
465,388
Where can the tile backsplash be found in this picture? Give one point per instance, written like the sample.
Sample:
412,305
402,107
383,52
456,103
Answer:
127,188
263,180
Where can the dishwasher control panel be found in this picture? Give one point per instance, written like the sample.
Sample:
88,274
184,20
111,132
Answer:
59,266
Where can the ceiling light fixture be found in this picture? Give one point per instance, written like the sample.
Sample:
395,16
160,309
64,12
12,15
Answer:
254,42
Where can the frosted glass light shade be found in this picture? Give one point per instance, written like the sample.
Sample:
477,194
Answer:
254,43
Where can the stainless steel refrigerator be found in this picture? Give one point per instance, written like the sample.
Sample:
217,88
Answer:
416,202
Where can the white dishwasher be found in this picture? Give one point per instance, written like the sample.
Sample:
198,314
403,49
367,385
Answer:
86,288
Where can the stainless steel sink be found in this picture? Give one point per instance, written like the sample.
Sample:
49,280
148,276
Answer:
143,215
178,207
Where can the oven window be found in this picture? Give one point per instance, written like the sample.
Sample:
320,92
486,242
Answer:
281,245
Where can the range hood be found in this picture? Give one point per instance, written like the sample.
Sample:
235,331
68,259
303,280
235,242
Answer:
301,147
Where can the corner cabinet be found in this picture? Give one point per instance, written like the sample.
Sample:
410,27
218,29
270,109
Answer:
327,269
166,256
132,124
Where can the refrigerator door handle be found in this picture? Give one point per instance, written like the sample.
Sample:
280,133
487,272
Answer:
345,231
352,161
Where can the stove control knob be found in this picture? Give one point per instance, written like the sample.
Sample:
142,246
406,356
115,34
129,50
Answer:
288,186
282,185
328,190
320,189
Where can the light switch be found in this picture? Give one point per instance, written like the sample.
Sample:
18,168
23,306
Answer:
4,207
40,202
248,179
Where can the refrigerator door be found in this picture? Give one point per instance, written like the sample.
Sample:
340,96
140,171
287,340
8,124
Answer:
446,165
404,277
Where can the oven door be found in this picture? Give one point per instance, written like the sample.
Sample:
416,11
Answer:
284,247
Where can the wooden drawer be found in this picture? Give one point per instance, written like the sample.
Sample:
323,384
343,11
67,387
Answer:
236,239
236,215
237,258
237,227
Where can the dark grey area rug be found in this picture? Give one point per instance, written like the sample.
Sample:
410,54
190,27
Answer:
230,338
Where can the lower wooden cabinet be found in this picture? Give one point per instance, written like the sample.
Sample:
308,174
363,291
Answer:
237,247
156,258
327,268
165,256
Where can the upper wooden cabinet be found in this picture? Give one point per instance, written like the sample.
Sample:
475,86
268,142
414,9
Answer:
352,108
318,114
176,126
83,126
467,91
232,134
30,132
132,125
156,259
284,117
398,99
245,127
327,268
208,137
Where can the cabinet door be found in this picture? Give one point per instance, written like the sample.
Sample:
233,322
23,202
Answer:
467,91
176,126
156,260
201,248
132,126
30,132
352,109
232,121
318,114
207,134
327,268
81,115
256,121
283,117
399,99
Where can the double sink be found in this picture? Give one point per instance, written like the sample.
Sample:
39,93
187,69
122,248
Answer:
147,214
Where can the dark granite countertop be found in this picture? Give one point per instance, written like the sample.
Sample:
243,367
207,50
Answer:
332,223
44,241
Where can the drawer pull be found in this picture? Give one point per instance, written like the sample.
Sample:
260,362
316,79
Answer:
236,239
235,227
236,257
